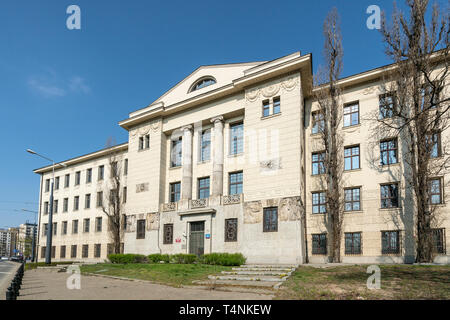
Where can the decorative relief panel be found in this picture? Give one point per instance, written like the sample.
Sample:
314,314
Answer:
153,221
199,203
142,187
289,209
270,165
266,91
144,130
231,199
253,212
170,206
131,223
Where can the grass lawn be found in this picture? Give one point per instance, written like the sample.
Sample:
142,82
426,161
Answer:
170,274
349,282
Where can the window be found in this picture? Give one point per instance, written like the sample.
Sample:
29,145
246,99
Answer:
86,225
125,167
389,195
76,203
109,248
57,183
352,199
433,144
351,158
97,250
205,145
98,224
318,122
64,227
168,233
46,207
351,114
231,226
124,222
318,163
114,169
276,105
435,191
175,189
203,188
202,83
66,181
74,226
353,243
387,105
430,97
62,252
101,173
87,201
319,243
124,195
438,240
73,251
266,108
77,178
140,234
390,242
270,222
176,154
319,202
237,138
47,185
55,206
89,175
43,252
44,229
100,199
55,225
65,204
53,251
85,251
144,142
388,152
235,183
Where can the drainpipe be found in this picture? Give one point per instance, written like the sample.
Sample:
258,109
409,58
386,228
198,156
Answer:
159,230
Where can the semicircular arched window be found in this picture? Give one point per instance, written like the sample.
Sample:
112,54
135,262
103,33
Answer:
202,83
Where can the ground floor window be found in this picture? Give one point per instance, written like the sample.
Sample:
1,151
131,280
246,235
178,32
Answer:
53,251
140,234
97,250
73,251
85,251
353,243
390,242
62,252
319,243
168,233
270,222
43,252
231,226
439,241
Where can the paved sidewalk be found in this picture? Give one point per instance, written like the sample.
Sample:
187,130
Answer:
41,284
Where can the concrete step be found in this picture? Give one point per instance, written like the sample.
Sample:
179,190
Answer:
258,273
249,278
269,266
239,283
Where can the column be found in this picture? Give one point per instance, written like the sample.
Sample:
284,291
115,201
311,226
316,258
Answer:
186,182
217,178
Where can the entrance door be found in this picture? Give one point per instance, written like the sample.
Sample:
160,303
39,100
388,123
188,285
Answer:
197,238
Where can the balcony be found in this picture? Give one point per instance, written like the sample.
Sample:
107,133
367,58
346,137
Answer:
198,203
232,199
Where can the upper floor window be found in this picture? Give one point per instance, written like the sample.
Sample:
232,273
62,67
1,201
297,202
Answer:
56,183
235,183
101,172
203,188
318,163
352,199
435,191
266,108
176,153
125,167
351,158
205,145
114,169
175,190
276,109
387,105
144,142
388,150
237,138
89,175
319,202
276,105
47,185
389,195
429,97
202,83
433,144
351,114
318,122
66,181
77,178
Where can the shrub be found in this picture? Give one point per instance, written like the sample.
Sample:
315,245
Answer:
157,257
223,259
182,258
127,258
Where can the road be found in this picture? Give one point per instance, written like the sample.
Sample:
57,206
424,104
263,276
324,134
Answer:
7,270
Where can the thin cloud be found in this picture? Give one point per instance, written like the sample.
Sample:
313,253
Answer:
76,84
46,89
50,86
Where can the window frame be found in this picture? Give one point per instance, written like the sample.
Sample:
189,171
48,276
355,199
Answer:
388,150
176,152
389,249
234,184
320,204
320,163
168,233
140,229
236,140
173,193
201,188
234,223
319,244
351,156
352,201
350,105
205,145
431,194
317,122
351,250
382,110
268,224
389,197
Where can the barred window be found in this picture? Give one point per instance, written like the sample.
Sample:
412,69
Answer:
390,242
439,241
140,234
270,222
353,243
319,243
231,226
168,233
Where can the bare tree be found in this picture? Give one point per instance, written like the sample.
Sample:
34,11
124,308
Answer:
113,198
415,109
328,117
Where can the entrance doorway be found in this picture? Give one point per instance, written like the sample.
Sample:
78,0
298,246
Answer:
197,237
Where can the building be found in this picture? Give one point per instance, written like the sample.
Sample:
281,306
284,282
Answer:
9,242
224,162
25,238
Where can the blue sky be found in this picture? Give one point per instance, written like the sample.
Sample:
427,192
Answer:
63,91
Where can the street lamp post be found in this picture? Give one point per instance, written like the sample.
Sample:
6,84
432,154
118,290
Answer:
48,249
